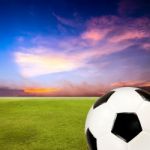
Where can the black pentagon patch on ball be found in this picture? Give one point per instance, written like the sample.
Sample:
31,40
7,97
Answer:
103,99
144,94
91,140
126,126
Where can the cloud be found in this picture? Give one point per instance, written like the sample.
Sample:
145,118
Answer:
82,89
68,22
39,90
128,35
4,91
146,46
41,61
93,34
128,7
35,64
71,89
96,89
103,36
117,29
131,83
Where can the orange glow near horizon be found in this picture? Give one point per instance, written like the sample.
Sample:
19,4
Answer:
41,90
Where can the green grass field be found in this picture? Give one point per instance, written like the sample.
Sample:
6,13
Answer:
43,123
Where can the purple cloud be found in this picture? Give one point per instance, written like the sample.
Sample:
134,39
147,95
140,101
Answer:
93,50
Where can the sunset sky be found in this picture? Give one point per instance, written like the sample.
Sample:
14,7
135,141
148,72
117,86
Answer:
74,47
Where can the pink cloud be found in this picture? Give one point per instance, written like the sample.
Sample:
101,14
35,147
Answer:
99,51
146,46
128,35
131,83
117,29
110,34
82,89
93,34
71,89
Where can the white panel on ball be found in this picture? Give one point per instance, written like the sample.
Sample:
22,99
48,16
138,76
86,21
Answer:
144,115
141,142
125,100
104,124
111,142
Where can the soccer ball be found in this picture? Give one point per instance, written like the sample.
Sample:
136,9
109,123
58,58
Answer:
120,120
